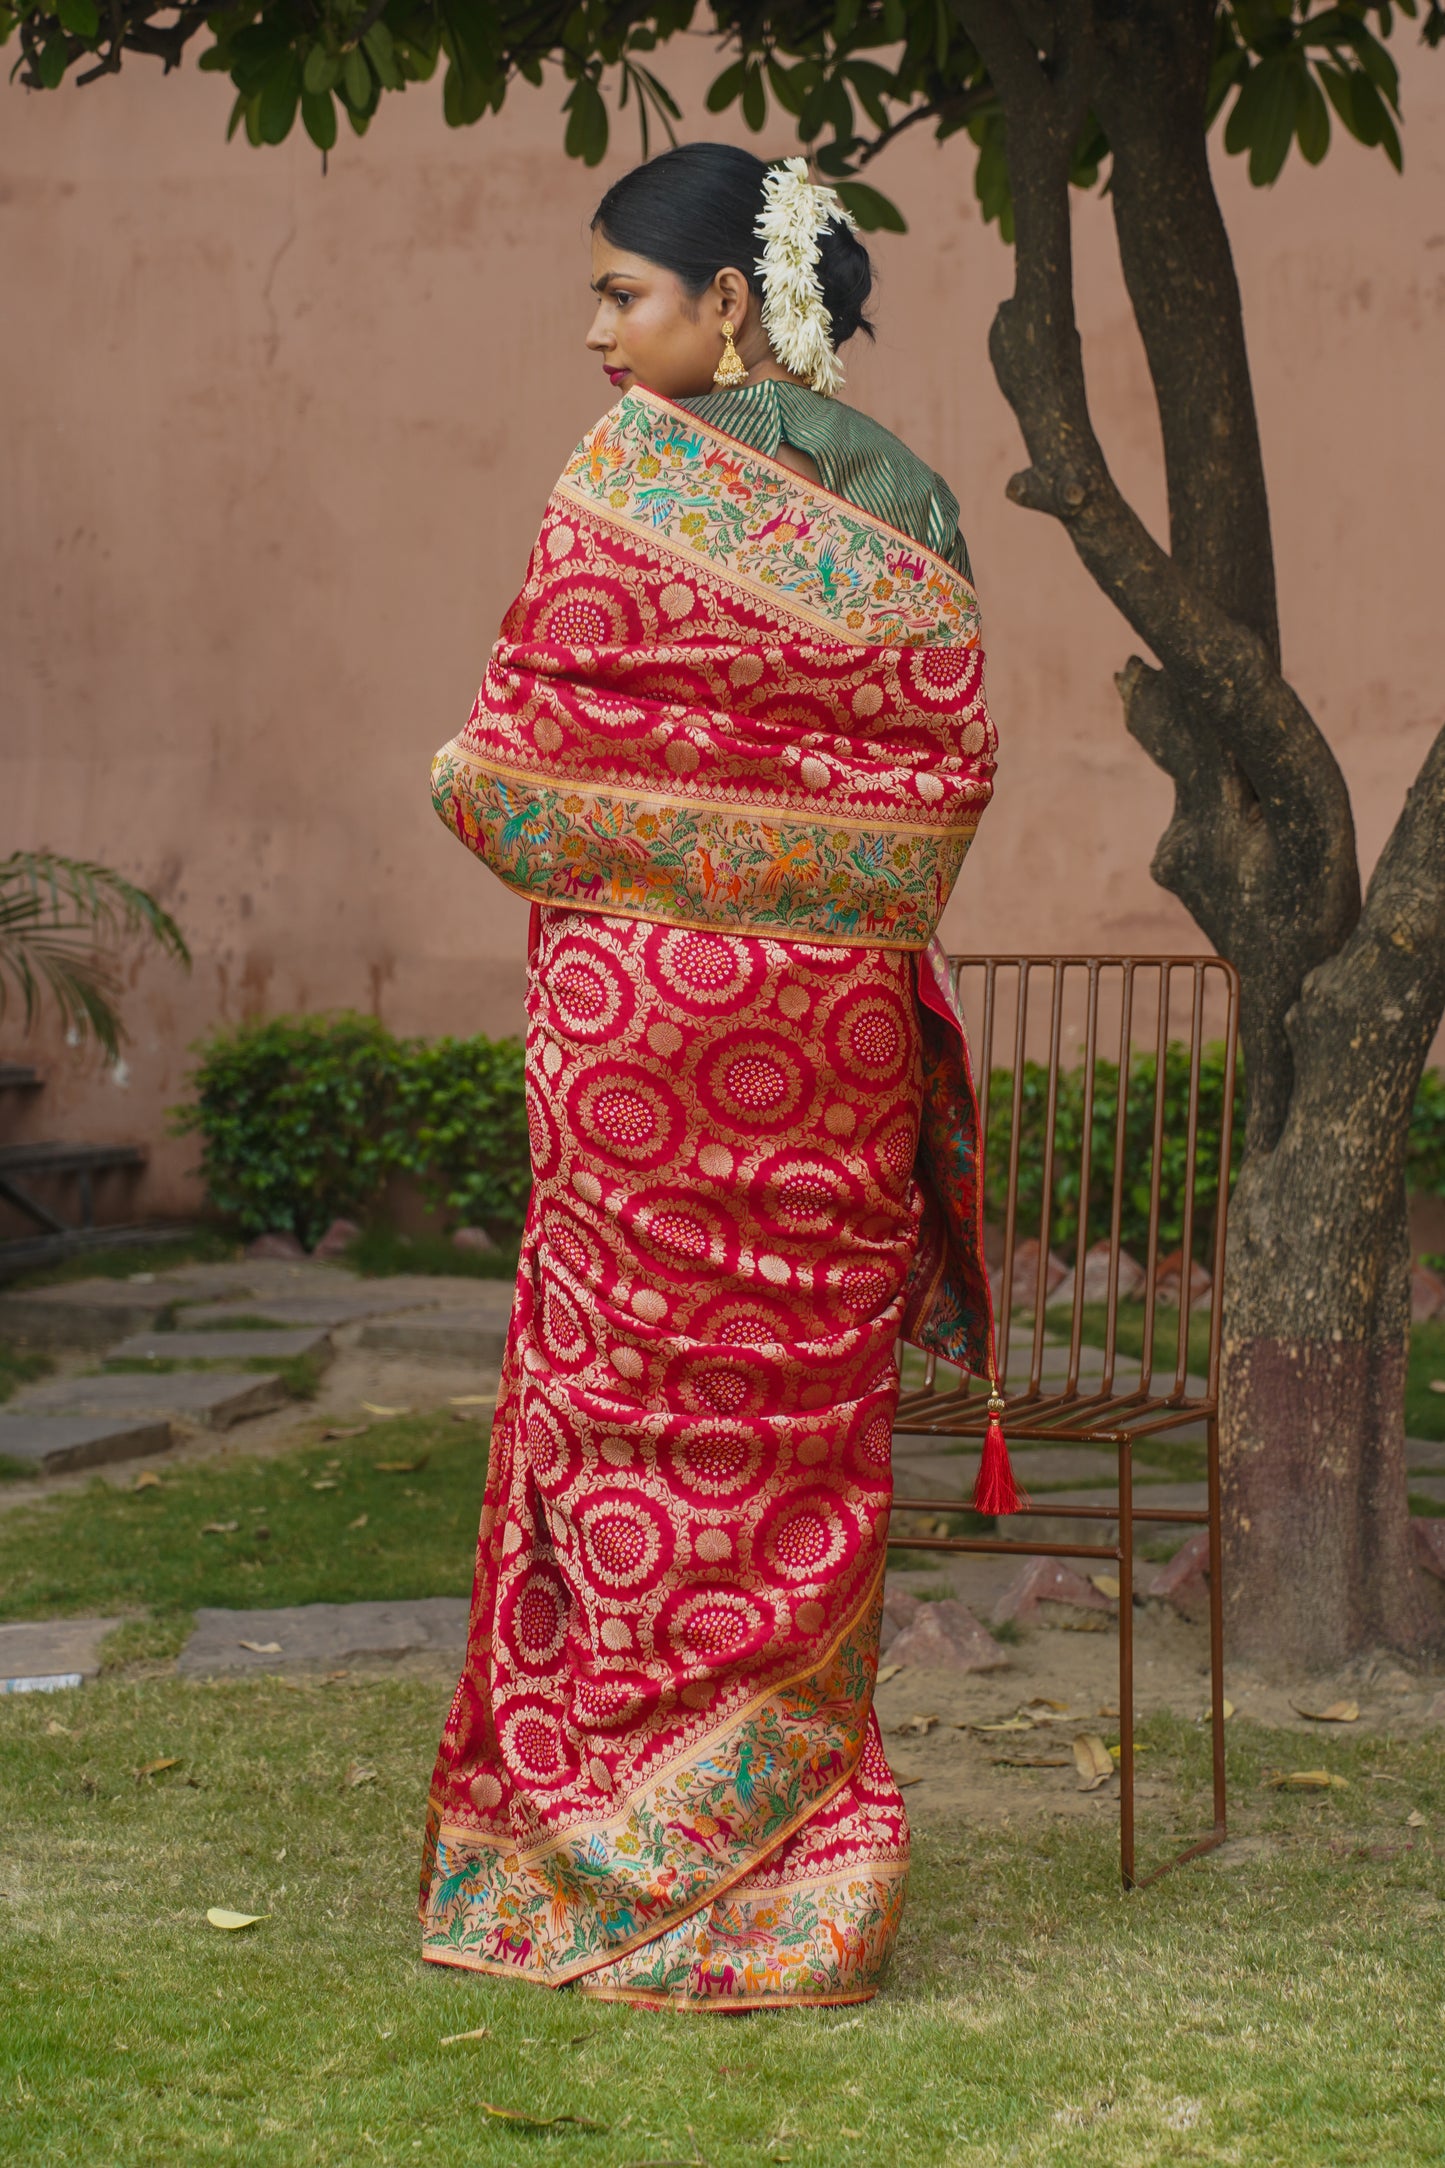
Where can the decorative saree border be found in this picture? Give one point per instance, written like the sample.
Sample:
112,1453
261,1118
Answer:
722,869
677,1845
767,527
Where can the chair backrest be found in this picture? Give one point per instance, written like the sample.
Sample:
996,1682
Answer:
1106,1090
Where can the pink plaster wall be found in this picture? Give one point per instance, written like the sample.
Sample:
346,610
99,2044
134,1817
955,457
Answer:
276,446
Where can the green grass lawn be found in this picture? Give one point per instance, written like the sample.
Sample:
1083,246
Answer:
322,1525
1282,2011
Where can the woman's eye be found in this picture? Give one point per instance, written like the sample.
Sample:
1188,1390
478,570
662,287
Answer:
621,299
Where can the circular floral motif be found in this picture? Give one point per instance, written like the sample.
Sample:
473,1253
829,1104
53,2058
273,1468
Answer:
535,1618
892,1150
551,1453
541,1136
679,1233
564,1334
728,1385
744,1321
625,1111
801,1193
803,1538
717,1463
717,1625
870,1038
608,1704
972,737
590,996
867,701
707,974
866,1289
753,1081
626,1541
938,675
676,601
531,1740
571,1246
583,613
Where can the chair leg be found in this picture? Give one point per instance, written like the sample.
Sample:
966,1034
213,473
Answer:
1126,1663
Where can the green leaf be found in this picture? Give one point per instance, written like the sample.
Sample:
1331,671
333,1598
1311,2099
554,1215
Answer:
80,17
755,99
382,55
872,210
1263,119
276,106
319,115
356,80
727,87
1313,122
320,72
586,136
50,66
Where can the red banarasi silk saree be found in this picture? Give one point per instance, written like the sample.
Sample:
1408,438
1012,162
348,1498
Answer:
733,745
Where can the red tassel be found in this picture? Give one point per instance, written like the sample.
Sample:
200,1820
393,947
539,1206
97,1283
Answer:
995,1491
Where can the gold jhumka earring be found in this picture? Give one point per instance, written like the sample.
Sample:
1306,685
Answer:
732,369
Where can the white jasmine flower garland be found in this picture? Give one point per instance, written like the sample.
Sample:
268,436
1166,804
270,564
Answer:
795,213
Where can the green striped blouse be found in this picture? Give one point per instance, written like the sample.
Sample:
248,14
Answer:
856,458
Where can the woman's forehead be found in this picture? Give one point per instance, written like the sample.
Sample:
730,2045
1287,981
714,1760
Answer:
611,262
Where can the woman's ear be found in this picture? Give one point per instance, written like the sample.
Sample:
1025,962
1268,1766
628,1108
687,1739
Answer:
733,297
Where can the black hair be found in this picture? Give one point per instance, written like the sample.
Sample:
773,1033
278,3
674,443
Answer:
694,209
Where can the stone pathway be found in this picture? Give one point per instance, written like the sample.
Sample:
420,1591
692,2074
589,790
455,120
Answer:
255,1311
317,1636
52,1654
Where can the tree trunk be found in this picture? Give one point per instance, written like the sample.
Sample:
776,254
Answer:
1339,1004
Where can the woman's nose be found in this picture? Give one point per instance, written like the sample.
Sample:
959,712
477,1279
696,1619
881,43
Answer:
598,339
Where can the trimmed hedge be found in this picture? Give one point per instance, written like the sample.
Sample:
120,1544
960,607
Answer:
303,1118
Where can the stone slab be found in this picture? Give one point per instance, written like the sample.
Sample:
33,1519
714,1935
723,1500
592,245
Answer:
463,1336
35,1657
220,1347
323,1634
326,1310
1425,1456
209,1398
54,1444
1428,1486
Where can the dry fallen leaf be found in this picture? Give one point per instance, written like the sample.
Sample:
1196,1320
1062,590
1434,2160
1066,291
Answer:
904,1782
1414,1819
541,2122
231,1921
372,1409
1307,1780
359,1522
1030,1761
478,2032
1437,1385
401,1467
887,1672
1042,1701
357,1773
261,1648
916,1726
219,1528
147,1480
153,1768
473,1400
357,1430
324,1482
1107,1585
1209,1712
1008,1723
1093,1761
56,1728
1139,1748
1338,1712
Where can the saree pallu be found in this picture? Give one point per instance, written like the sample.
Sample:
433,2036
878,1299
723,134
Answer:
661,1778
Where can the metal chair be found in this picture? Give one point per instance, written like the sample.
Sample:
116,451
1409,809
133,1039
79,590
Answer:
1126,1008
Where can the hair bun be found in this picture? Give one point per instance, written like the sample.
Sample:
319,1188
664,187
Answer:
845,273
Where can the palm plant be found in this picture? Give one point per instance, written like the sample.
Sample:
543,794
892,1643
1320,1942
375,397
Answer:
60,922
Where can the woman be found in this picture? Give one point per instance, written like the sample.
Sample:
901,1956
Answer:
733,745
